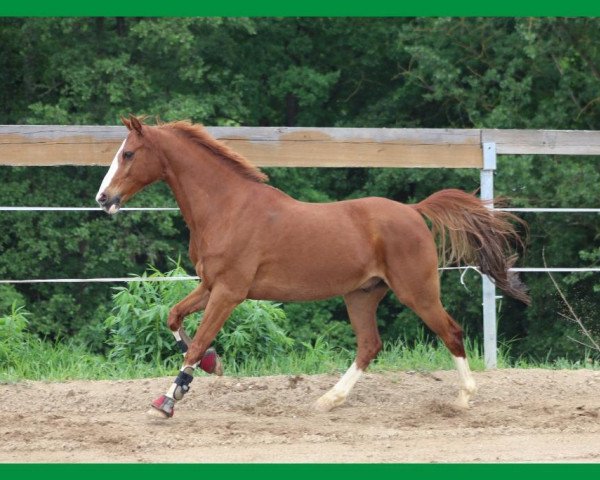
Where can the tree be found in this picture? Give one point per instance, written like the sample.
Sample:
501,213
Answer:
354,72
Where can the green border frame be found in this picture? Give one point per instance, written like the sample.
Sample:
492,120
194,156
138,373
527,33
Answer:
302,471
300,8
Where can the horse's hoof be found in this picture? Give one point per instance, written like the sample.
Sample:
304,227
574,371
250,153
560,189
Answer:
322,407
162,407
156,413
211,362
328,402
462,401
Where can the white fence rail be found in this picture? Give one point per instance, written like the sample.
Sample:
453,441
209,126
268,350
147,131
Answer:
173,209
192,277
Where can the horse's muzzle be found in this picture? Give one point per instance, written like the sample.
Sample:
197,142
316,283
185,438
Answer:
109,205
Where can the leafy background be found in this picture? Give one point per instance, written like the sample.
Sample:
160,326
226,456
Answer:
344,72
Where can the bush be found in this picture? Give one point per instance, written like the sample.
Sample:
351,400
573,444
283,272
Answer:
10,299
255,329
13,324
138,323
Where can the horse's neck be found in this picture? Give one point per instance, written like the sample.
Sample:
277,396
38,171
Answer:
205,189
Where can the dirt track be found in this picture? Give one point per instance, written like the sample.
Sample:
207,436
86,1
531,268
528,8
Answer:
518,416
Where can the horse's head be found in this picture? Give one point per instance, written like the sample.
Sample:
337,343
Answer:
135,165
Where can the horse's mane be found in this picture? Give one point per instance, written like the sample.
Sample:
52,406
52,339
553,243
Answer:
198,134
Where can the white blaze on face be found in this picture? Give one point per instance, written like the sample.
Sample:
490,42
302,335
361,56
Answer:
111,171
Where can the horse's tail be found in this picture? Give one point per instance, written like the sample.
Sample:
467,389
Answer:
471,233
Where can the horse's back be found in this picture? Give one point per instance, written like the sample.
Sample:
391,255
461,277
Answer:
357,225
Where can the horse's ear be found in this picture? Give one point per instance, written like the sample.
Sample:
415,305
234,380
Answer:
135,124
126,122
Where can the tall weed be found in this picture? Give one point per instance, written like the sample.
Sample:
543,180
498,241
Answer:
138,323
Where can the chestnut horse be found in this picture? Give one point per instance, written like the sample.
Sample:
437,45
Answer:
250,240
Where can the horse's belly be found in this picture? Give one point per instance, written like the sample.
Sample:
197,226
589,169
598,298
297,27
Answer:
289,282
293,293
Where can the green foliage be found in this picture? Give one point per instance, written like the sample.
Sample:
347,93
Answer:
327,319
13,324
255,329
24,355
347,72
138,324
10,298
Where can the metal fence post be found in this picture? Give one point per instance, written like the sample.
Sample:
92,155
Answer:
489,289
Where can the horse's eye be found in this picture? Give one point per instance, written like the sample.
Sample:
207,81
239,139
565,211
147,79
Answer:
127,155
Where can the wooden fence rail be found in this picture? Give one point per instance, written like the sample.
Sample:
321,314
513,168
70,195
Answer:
47,145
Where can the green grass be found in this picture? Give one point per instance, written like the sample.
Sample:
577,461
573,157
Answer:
426,356
34,359
24,356
558,364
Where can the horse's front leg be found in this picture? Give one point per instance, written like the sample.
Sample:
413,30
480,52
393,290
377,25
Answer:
194,302
221,303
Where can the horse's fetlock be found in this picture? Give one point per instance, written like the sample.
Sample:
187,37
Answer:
183,380
470,386
182,346
376,348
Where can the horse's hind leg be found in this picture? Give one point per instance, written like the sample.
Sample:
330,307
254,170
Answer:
421,294
362,306
438,320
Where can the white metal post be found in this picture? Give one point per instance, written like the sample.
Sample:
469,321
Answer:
489,289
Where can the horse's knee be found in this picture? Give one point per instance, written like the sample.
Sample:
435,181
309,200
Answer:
174,320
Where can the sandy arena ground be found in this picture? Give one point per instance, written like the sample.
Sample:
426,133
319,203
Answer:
518,416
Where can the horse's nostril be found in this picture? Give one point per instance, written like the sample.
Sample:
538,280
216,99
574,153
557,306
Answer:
102,198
